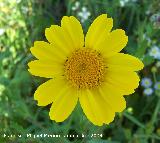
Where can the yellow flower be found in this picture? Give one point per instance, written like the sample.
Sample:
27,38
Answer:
93,72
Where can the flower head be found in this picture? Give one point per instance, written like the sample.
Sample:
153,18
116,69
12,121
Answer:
2,31
123,2
91,70
158,64
157,86
146,82
148,91
2,88
148,39
76,5
155,52
84,14
155,19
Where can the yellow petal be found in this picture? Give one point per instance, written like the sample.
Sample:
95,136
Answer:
47,92
46,69
42,50
124,61
74,30
113,43
47,52
57,36
63,104
113,98
124,81
95,108
98,31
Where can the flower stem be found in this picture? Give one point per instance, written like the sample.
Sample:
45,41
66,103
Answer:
156,112
154,77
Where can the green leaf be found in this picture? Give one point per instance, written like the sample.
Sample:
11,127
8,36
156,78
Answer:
148,60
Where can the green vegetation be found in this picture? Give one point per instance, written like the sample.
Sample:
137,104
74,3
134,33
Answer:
24,21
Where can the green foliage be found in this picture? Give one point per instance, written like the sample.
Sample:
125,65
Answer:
24,21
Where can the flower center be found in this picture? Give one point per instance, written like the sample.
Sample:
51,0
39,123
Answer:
85,69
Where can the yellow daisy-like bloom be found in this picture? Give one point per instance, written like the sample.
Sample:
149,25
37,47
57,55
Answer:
91,70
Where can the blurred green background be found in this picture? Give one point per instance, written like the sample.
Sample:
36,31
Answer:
24,21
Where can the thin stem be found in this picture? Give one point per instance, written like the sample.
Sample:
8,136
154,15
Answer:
156,112
153,136
154,77
133,119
